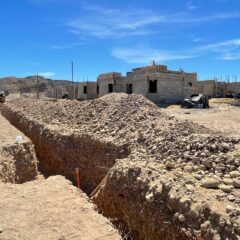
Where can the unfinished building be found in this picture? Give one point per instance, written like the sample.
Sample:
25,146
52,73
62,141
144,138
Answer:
86,90
215,88
155,82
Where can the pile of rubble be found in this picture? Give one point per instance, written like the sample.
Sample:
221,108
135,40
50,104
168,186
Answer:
137,122
176,161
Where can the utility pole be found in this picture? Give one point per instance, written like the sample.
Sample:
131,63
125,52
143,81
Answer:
216,89
56,90
72,81
52,89
37,87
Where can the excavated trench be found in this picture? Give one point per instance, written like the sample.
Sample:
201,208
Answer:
124,195
61,154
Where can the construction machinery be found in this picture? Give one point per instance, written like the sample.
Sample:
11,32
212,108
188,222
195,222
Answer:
2,97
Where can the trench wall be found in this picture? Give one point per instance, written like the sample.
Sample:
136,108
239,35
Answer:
127,205
60,154
151,210
18,163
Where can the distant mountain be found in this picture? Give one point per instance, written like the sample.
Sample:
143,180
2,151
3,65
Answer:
29,84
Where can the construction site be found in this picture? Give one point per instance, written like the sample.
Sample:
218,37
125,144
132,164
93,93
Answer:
117,166
155,82
120,120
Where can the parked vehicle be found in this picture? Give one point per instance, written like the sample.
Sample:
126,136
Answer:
2,97
196,101
237,95
65,96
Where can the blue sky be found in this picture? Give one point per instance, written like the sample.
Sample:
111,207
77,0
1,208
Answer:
44,36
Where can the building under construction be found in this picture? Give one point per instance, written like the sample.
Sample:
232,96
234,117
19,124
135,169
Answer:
215,88
155,82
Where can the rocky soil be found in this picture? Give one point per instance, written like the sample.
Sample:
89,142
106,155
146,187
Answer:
179,181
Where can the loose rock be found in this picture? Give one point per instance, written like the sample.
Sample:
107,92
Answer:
210,183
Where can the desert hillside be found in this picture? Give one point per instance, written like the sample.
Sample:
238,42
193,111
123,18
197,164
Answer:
29,84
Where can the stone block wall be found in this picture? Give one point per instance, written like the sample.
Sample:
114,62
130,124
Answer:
217,89
207,87
189,84
91,92
120,84
103,85
172,86
139,84
233,87
170,90
56,92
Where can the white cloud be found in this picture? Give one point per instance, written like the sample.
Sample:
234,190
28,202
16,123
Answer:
65,46
46,1
115,23
47,74
209,18
226,50
105,23
197,39
107,30
230,57
223,46
142,55
191,6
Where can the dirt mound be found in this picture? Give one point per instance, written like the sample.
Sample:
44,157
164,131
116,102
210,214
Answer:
141,125
176,179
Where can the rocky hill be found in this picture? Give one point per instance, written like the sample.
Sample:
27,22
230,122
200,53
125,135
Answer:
29,84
